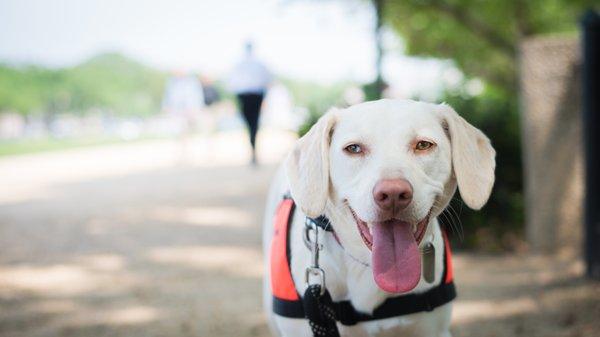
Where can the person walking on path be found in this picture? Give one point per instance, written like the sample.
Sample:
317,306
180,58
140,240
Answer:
183,99
250,80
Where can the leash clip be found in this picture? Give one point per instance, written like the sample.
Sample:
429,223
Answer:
314,247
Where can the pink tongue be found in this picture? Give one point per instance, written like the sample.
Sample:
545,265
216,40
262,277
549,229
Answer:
396,259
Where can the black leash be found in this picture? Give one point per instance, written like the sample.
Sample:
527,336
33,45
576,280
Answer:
319,312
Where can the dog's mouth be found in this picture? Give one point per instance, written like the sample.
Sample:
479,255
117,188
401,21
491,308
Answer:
395,256
364,230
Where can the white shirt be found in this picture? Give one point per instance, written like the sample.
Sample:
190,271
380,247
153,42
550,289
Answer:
249,76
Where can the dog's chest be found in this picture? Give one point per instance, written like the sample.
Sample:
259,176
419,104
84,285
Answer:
396,326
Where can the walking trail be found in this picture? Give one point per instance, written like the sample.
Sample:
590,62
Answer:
144,240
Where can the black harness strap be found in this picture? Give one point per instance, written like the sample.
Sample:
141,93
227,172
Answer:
397,306
392,307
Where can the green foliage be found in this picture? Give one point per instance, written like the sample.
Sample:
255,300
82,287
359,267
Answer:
25,90
482,37
372,91
110,82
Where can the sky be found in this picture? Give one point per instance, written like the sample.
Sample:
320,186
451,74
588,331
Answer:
322,41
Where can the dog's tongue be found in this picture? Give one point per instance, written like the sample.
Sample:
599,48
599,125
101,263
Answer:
395,257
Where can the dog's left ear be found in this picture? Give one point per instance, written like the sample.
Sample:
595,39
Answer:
307,167
473,158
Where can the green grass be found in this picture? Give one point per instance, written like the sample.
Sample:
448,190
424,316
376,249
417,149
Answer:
18,147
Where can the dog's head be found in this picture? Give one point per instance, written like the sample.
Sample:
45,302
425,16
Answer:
381,170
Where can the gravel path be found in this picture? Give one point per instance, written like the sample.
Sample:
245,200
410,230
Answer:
129,241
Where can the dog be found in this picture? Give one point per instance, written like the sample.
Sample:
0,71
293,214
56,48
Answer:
381,172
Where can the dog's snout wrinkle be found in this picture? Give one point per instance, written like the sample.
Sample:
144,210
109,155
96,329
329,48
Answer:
393,194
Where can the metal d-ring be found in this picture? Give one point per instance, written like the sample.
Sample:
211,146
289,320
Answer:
318,272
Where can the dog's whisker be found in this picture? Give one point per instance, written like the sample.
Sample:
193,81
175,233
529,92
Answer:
460,226
458,223
448,220
450,217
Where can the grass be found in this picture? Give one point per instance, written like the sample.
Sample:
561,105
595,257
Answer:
18,147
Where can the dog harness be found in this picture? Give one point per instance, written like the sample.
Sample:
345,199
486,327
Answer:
288,303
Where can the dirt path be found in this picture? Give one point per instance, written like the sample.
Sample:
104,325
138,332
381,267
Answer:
120,241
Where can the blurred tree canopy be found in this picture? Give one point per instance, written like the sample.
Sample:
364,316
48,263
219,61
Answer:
482,37
109,82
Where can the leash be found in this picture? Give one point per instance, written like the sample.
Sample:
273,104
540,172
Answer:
317,302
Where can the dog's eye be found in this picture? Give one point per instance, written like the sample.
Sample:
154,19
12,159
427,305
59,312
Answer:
354,149
423,145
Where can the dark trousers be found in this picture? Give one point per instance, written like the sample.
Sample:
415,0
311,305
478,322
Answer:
250,104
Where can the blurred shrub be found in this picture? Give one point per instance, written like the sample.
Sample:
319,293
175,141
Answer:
109,82
117,83
372,91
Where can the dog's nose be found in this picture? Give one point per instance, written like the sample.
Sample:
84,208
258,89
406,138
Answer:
393,194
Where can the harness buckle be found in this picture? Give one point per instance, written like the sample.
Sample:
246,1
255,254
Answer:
310,226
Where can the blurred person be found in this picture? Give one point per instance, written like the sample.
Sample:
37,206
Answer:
250,80
184,100
209,90
212,97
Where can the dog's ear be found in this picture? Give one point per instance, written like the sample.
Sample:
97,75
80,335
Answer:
307,167
473,158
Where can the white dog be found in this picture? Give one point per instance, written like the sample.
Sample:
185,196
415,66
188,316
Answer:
381,172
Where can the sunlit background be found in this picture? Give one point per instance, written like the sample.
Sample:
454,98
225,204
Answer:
120,217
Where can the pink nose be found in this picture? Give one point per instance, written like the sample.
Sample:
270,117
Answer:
393,194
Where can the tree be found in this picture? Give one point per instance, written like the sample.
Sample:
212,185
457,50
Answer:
482,37
110,82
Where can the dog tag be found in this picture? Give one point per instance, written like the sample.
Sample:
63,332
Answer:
428,262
